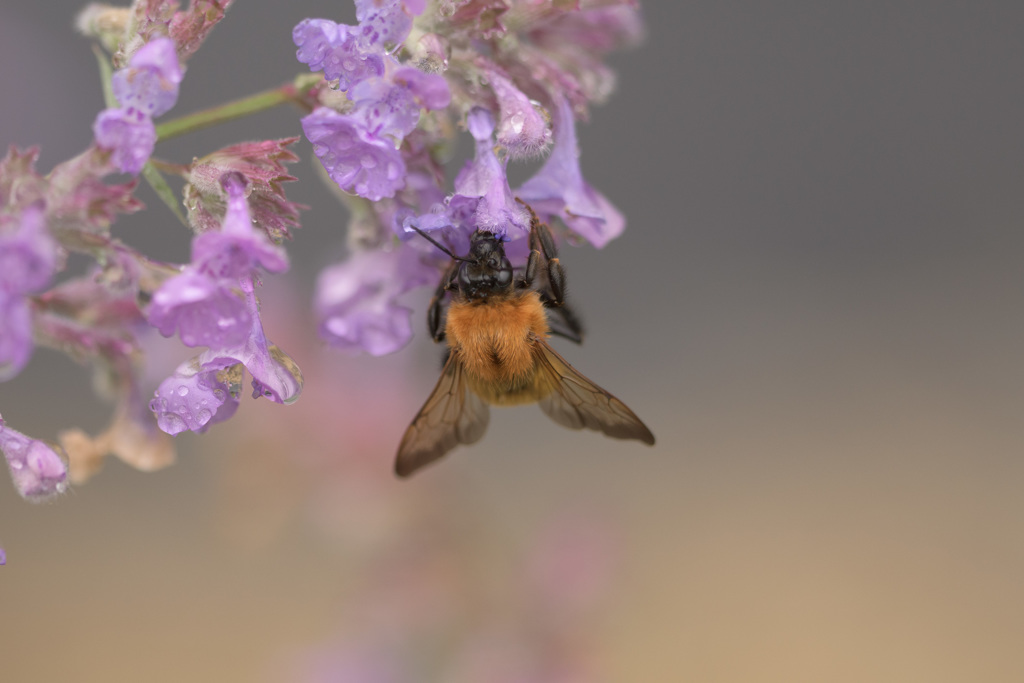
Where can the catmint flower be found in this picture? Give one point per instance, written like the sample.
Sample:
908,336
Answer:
393,107
336,50
359,149
262,164
201,303
149,83
15,334
522,126
147,87
28,257
206,389
3,557
28,254
482,186
384,23
129,134
558,188
200,393
359,163
356,301
204,310
39,472
237,248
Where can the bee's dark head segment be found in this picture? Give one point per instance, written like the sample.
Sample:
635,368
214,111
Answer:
488,271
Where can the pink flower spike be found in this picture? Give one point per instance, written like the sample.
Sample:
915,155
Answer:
39,472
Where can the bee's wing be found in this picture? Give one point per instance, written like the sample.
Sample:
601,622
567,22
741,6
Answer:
573,401
452,415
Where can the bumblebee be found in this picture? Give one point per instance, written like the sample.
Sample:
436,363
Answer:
496,326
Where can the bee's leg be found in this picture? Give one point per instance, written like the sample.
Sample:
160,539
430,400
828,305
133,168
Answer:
436,312
542,243
530,274
565,322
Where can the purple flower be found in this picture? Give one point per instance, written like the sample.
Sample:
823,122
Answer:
482,186
201,302
147,87
204,310
383,23
262,164
205,390
336,50
393,107
28,254
522,127
356,301
28,257
129,134
196,395
357,162
558,188
431,91
3,557
15,334
39,472
149,84
237,248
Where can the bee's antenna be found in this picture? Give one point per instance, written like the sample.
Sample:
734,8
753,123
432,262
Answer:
440,246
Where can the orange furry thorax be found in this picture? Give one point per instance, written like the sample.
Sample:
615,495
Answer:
492,340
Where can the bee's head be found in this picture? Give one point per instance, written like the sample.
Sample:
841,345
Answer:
486,271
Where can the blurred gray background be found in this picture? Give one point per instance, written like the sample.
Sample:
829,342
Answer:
817,307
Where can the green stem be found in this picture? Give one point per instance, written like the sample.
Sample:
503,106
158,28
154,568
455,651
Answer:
105,73
294,92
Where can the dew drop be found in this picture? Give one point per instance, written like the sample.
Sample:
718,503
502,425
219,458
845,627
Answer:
204,416
182,391
174,424
517,122
368,161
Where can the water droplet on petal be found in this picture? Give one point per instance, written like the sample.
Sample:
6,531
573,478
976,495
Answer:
517,122
182,391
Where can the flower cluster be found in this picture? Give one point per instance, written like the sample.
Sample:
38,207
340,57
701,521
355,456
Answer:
514,74
146,88
383,107
106,317
213,303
